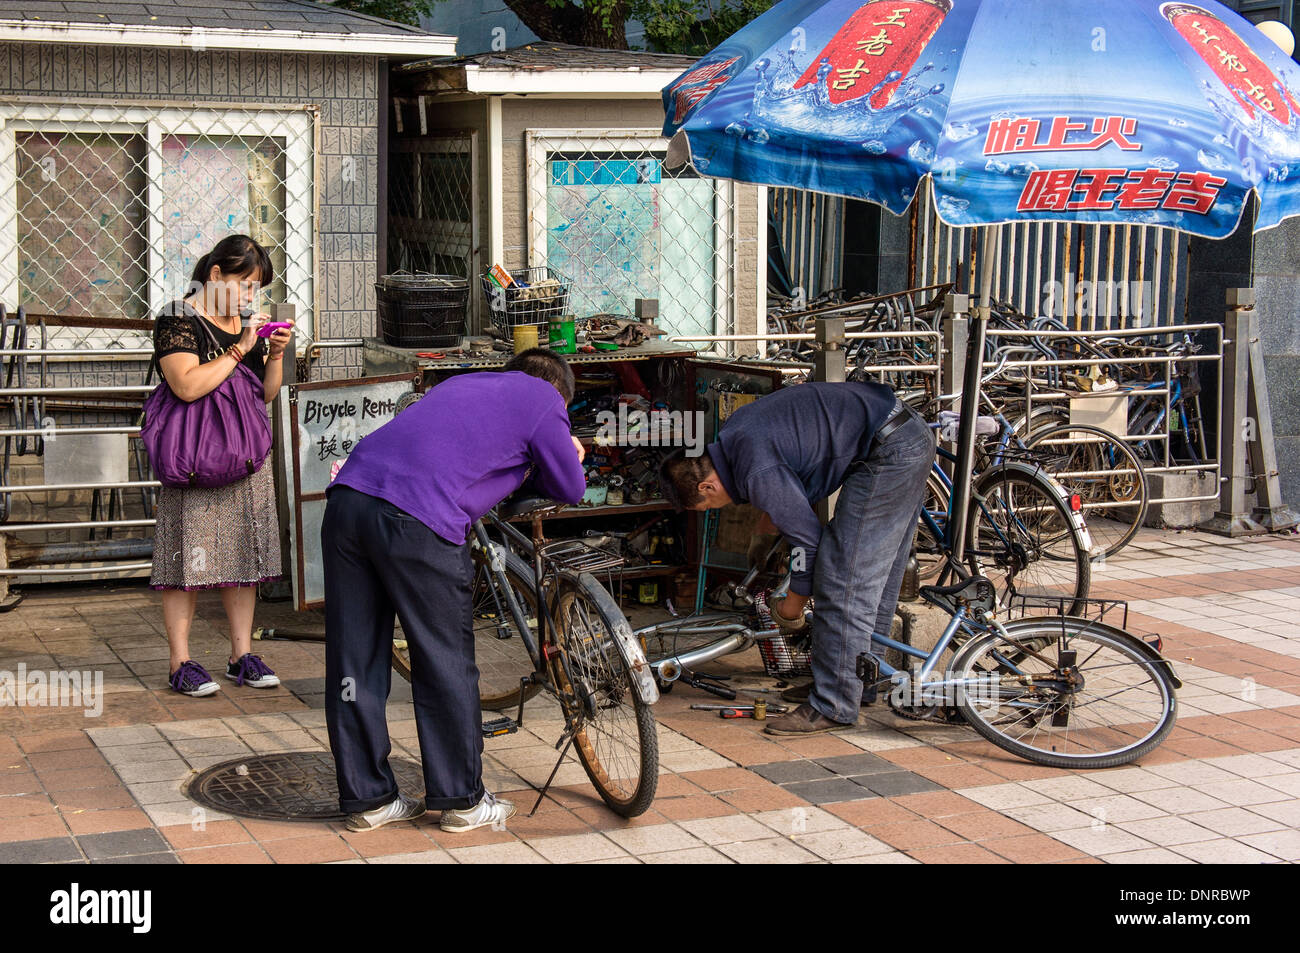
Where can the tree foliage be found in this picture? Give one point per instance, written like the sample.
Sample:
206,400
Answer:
399,11
694,27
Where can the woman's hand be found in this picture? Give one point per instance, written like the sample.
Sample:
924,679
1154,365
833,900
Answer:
577,445
279,340
248,340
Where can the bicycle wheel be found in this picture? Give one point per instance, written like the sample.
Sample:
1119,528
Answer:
1020,534
1106,474
930,550
614,729
1065,692
499,650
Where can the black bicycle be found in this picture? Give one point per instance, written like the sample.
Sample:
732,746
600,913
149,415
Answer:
552,627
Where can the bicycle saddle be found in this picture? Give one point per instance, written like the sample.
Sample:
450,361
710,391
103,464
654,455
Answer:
977,592
524,504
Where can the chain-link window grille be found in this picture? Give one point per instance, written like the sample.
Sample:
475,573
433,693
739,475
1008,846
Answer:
431,221
606,215
105,208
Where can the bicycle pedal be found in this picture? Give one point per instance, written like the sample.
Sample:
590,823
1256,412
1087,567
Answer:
499,726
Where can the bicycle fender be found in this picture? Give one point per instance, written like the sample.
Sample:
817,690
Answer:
629,646
1034,472
1122,635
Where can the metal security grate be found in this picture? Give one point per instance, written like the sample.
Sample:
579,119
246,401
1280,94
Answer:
431,222
106,207
1090,277
606,214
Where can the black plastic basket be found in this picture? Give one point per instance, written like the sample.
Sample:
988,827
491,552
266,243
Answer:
422,310
532,299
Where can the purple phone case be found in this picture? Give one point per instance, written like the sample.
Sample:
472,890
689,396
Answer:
266,330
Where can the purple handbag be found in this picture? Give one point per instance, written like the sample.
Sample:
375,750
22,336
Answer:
222,437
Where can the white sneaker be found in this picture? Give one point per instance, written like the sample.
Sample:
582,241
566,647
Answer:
489,812
403,808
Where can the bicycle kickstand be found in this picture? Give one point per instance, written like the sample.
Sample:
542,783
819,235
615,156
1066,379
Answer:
541,793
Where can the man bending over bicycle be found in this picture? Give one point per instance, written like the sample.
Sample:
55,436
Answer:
393,541
784,453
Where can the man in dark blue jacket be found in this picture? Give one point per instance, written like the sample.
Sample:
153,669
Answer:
783,454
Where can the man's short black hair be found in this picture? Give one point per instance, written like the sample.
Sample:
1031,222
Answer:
545,364
680,477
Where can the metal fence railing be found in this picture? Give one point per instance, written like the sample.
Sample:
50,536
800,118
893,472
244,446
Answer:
106,206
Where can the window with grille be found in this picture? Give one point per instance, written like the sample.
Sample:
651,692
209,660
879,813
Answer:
616,225
105,209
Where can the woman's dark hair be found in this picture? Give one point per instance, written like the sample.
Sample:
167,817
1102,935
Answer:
680,477
547,365
236,256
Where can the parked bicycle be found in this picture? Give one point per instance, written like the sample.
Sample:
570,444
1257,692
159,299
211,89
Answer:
551,627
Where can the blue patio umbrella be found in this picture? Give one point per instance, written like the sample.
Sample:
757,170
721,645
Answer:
1097,111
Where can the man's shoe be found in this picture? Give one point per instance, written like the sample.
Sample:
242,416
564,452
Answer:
797,693
804,720
489,812
402,808
252,671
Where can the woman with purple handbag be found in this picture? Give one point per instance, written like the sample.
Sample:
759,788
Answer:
216,528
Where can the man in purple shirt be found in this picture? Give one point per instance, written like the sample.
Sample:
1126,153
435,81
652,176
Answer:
394,543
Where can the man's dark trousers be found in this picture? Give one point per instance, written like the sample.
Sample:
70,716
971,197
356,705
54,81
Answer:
381,561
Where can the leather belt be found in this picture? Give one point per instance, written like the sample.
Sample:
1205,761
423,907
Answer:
900,416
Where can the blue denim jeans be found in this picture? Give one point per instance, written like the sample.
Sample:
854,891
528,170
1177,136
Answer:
860,562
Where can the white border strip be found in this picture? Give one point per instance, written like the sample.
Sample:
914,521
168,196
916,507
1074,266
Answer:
203,38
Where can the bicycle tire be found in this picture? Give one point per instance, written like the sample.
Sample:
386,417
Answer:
931,552
1113,665
501,661
1019,534
615,737
1084,449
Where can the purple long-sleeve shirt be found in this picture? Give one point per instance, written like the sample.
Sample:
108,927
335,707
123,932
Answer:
464,447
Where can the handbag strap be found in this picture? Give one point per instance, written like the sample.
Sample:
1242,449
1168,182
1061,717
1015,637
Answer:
217,350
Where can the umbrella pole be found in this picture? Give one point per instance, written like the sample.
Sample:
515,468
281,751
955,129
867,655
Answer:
970,403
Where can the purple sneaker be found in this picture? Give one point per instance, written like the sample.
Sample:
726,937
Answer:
193,679
251,670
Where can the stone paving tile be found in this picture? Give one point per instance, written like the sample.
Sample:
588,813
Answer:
656,839
1168,831
829,790
1106,839
1223,851
773,850
577,848
48,850
895,783
1151,855
841,843
784,772
693,855
515,852
725,830
122,843
999,797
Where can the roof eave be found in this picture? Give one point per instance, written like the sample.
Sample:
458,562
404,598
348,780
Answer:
200,39
629,81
